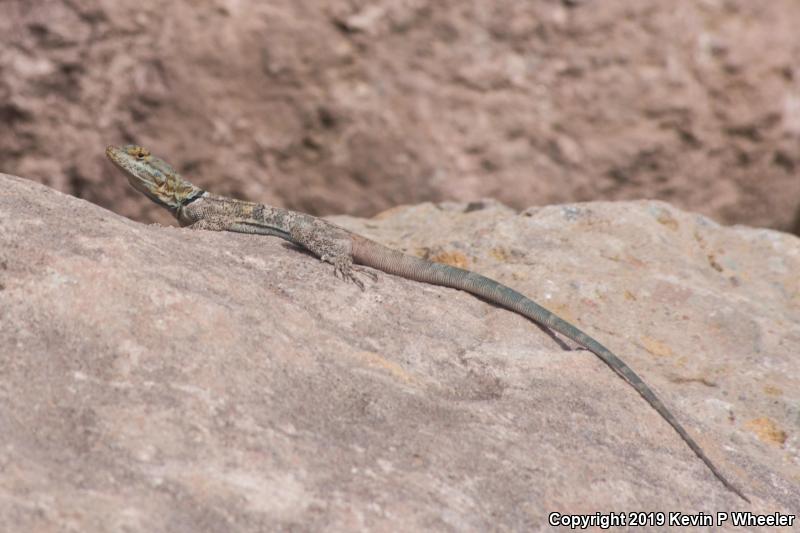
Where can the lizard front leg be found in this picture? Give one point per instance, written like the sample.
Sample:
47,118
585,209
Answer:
211,224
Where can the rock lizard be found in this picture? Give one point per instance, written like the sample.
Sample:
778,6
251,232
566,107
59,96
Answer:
199,209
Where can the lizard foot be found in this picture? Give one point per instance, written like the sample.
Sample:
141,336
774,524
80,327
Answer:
345,270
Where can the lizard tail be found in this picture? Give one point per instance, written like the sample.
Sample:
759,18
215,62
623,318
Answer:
372,254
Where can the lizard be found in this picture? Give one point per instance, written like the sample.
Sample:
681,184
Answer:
196,208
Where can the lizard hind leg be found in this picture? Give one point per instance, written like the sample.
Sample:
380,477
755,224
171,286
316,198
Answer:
332,245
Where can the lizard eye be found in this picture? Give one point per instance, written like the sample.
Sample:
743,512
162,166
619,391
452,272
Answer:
140,153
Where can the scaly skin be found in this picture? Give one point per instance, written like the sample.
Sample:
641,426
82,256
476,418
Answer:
199,209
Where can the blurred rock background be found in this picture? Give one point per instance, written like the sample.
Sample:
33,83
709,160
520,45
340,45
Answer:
350,106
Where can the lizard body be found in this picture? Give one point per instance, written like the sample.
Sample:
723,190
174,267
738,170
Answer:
199,209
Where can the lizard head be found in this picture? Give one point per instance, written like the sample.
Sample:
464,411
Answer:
153,177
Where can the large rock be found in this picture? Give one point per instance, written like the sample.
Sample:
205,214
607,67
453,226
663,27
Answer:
345,106
161,379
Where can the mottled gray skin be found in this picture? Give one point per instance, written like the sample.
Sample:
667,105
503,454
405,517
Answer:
199,209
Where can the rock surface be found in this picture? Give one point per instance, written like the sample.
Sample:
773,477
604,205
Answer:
159,379
349,106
